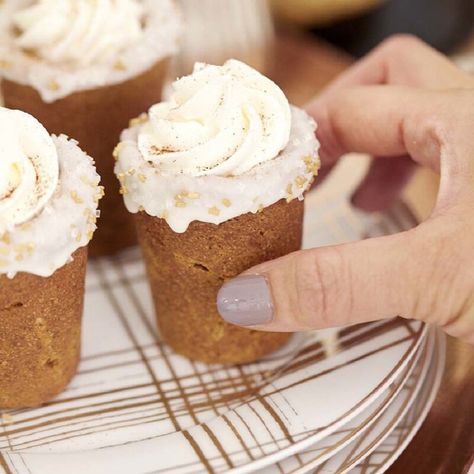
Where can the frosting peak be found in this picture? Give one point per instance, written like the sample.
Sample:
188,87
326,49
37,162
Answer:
79,31
28,168
220,120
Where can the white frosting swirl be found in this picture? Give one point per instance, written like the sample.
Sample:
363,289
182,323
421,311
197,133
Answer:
47,241
221,120
28,168
79,31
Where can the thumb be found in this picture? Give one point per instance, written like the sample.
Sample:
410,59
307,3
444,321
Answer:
328,286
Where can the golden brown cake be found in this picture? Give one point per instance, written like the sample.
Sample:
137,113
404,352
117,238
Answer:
40,336
49,194
87,117
89,89
216,177
186,271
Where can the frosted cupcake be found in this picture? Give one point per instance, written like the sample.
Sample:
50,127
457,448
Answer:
48,204
83,68
216,179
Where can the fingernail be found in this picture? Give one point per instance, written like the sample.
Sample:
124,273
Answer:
245,301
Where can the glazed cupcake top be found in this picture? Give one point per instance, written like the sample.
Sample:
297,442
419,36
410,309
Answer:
64,46
226,143
48,197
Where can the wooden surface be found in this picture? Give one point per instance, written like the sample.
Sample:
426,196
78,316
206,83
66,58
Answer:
445,443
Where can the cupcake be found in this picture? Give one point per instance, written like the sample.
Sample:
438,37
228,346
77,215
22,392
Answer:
215,178
84,68
48,204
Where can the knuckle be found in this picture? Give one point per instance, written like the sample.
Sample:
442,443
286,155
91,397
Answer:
400,42
323,291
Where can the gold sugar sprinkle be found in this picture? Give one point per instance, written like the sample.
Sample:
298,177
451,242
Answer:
165,214
53,85
214,211
180,204
75,197
289,189
193,195
90,234
5,238
260,208
141,208
141,177
79,237
300,181
142,118
117,150
226,202
119,65
123,190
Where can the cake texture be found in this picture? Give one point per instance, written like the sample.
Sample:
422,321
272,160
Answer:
40,336
49,192
186,271
216,180
90,97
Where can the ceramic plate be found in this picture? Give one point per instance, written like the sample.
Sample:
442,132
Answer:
389,450
135,407
343,447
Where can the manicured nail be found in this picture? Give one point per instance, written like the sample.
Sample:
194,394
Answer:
246,301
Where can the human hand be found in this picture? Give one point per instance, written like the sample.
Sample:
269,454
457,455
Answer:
403,100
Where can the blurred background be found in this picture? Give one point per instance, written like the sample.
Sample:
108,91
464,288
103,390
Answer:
304,44
246,29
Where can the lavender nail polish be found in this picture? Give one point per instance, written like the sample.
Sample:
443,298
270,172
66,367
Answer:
245,301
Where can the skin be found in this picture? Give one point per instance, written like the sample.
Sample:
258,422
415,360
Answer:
404,104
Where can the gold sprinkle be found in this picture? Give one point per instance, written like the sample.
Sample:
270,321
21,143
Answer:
79,237
180,204
289,189
53,85
300,181
226,202
90,234
141,208
193,195
141,177
131,171
142,118
123,190
25,226
308,159
119,65
214,211
260,208
75,197
5,238
117,150
165,214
